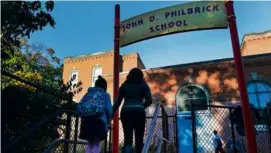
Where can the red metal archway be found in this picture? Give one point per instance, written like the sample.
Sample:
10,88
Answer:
249,128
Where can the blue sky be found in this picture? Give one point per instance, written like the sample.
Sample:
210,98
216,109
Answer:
87,27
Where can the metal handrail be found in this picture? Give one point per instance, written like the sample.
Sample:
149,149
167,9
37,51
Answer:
213,106
38,125
57,142
152,127
159,145
37,86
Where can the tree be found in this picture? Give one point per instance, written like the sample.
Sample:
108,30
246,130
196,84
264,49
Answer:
21,18
35,63
23,105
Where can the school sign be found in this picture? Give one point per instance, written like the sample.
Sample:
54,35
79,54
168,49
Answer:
174,19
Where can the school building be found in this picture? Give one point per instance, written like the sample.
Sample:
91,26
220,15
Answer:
212,82
216,78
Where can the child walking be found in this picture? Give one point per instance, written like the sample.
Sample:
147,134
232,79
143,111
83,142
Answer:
95,109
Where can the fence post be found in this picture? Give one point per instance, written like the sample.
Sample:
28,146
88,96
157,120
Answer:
164,127
105,144
75,134
268,124
67,132
194,133
233,133
110,140
167,131
175,130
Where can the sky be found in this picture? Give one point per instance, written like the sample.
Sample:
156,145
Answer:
86,27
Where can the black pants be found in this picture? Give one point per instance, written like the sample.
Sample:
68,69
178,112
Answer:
219,149
133,119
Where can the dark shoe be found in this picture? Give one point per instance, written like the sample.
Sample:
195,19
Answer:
139,148
127,149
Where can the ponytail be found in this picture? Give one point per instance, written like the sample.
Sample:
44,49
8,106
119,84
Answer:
101,82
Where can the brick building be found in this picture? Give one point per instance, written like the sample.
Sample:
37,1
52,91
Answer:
217,77
213,82
88,67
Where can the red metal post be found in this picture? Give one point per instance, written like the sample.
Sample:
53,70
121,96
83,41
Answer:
115,140
247,115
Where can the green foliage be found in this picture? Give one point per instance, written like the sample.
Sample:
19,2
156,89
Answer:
21,18
24,105
36,64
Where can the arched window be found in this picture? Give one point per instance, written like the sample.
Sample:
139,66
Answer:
259,93
191,93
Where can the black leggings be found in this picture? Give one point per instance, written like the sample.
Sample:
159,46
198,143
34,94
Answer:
133,119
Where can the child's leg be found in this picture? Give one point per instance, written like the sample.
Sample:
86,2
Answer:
89,148
96,147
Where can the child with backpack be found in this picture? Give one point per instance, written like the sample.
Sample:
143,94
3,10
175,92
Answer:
217,143
95,110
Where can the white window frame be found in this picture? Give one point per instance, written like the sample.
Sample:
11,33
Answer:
77,77
95,77
188,113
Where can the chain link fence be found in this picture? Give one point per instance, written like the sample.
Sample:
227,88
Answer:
205,121
263,132
106,145
158,132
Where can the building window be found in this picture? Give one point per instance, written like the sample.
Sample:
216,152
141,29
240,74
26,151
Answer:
95,73
259,93
191,93
74,75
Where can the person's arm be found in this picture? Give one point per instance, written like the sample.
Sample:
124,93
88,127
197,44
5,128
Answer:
118,101
109,109
214,142
148,96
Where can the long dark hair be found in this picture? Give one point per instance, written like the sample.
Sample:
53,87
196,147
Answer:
101,82
135,76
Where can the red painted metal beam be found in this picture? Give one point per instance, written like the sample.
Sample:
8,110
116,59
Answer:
247,115
115,141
